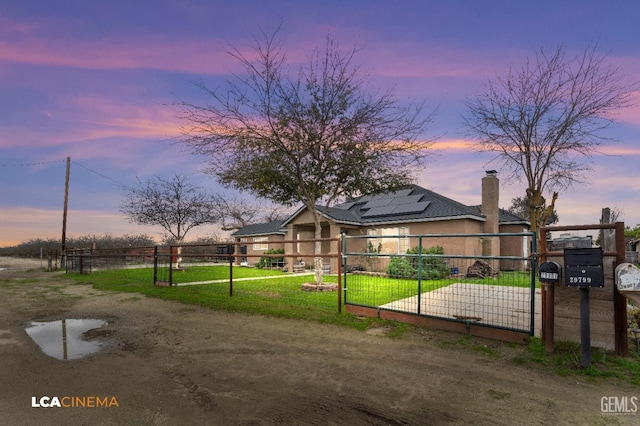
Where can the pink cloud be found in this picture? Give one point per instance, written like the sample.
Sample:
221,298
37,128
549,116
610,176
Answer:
435,60
200,56
625,150
452,144
94,117
630,115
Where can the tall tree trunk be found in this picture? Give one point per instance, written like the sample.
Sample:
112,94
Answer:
533,197
317,251
539,211
179,255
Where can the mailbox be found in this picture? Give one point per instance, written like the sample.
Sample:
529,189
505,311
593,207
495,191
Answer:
583,267
628,282
550,272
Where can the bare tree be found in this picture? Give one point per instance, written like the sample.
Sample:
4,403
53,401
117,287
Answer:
234,213
545,117
307,137
176,205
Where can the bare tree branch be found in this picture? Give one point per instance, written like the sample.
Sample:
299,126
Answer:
306,136
174,204
544,119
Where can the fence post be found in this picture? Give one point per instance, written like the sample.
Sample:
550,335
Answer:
548,299
419,273
155,265
230,275
619,301
534,265
340,273
343,261
170,265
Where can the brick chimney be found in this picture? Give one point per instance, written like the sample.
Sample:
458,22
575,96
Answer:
490,198
491,211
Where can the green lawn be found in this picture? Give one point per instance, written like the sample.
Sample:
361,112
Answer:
272,293
219,272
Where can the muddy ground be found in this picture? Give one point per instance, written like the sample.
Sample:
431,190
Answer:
166,364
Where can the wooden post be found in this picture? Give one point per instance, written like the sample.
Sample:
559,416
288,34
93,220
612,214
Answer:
340,242
64,211
619,301
230,274
585,328
547,299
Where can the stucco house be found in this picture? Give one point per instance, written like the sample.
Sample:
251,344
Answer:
409,211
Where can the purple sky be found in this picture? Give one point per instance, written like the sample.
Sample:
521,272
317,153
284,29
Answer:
92,80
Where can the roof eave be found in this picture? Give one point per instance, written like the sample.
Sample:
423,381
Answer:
423,219
260,234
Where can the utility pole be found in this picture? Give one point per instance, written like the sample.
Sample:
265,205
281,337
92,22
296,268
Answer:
64,213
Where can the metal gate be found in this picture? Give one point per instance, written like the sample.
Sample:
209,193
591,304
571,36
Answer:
463,281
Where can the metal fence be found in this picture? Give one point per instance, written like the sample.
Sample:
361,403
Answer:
87,260
171,261
495,291
271,279
425,277
225,275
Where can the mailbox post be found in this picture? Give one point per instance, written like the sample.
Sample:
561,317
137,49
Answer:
584,269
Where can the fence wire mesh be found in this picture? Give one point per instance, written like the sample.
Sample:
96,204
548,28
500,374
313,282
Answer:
87,260
426,279
222,276
496,291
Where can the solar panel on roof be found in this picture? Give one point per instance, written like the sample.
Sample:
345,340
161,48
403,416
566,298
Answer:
402,192
411,208
345,206
397,209
379,196
387,198
408,199
379,211
381,202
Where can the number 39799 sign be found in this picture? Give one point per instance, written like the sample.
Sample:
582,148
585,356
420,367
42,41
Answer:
583,267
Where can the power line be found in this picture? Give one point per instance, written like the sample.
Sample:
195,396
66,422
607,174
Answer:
101,175
32,164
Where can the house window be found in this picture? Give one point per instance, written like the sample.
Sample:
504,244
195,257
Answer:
260,243
389,240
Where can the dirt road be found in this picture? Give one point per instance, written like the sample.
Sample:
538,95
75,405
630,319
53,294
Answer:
166,363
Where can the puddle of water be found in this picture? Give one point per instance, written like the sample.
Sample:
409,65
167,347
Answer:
3,269
63,339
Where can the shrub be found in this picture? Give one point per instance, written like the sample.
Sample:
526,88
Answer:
399,267
271,262
433,268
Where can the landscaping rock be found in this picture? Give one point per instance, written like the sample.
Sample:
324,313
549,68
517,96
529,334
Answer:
319,287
